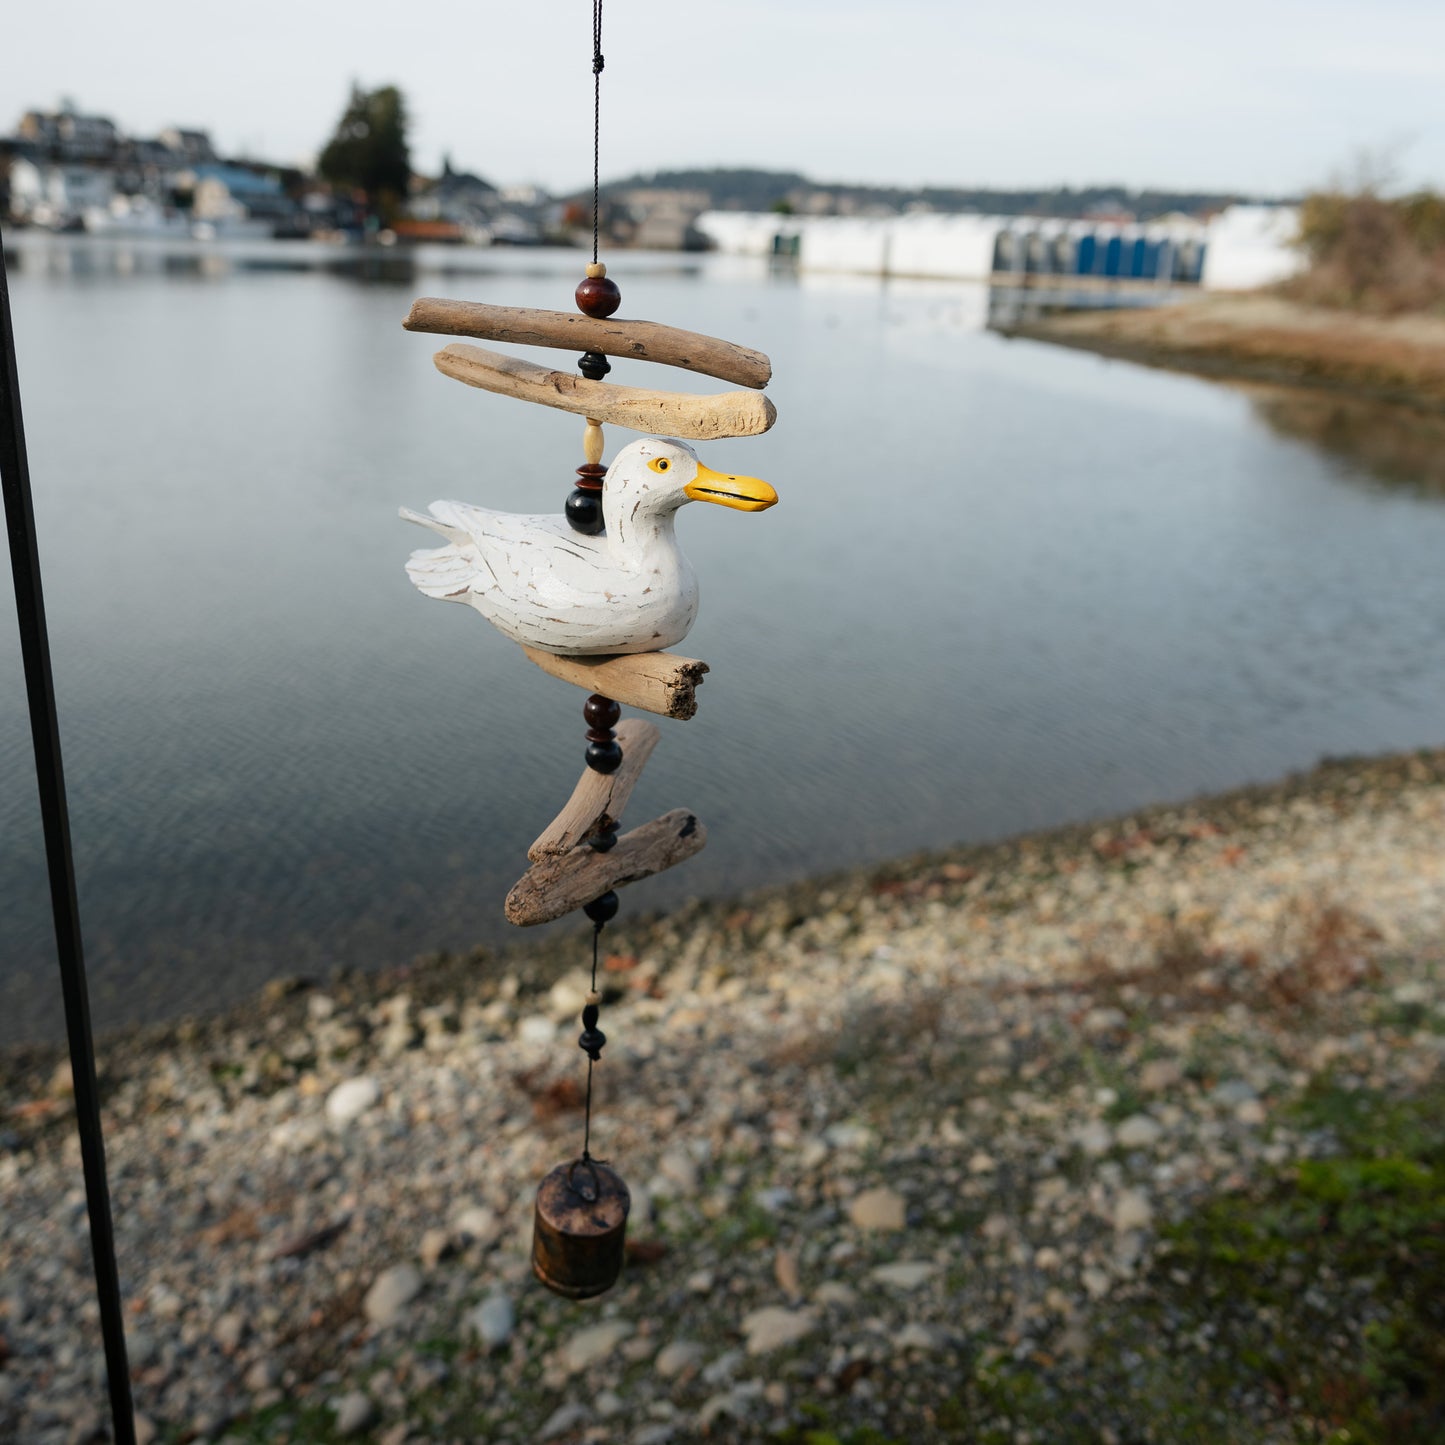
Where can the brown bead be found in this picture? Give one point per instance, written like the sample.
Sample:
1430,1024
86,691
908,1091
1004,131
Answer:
590,476
601,712
598,296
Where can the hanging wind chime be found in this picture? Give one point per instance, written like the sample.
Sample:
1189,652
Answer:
593,596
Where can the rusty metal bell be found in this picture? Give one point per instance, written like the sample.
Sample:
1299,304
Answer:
579,1229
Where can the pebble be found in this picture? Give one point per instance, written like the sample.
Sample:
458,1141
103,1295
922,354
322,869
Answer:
879,1209
562,1419
785,1271
492,1321
905,1274
593,1345
390,1293
354,1411
678,1357
536,1029
1094,1138
436,1245
1159,1074
835,1292
1139,1131
349,1101
916,1336
679,1169
478,1224
609,1403
772,1328
229,1331
1132,1210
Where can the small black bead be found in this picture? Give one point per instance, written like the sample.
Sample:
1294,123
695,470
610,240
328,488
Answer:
589,1016
604,757
603,842
590,1042
593,365
604,909
584,512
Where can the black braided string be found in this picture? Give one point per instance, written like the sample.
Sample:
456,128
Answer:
597,64
587,1108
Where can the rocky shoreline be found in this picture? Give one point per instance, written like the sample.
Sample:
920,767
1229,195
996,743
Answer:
975,1146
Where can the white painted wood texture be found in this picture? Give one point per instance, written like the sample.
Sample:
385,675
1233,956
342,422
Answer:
557,886
628,590
701,418
635,340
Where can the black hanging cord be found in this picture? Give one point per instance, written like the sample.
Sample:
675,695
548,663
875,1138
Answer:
50,776
597,64
587,1107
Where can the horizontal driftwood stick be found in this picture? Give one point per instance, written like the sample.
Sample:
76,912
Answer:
599,798
665,413
556,886
637,340
660,682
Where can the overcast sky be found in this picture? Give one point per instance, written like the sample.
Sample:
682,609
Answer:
1265,96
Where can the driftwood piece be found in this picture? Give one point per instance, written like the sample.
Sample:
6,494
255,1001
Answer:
637,340
660,682
556,886
663,413
599,798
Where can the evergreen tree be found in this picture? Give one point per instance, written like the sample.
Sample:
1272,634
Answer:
368,151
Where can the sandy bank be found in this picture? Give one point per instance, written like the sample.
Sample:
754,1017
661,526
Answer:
1264,338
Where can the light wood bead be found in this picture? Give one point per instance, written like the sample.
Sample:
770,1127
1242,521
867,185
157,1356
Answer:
596,270
594,999
592,441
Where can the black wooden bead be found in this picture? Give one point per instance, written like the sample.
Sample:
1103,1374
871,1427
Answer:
601,712
603,757
605,841
593,365
591,1041
604,909
598,296
584,513
589,1016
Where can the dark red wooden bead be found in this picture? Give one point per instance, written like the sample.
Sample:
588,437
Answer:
600,712
598,296
590,476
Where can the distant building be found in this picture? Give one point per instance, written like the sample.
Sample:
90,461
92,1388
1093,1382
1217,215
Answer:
659,219
66,135
57,196
185,147
226,196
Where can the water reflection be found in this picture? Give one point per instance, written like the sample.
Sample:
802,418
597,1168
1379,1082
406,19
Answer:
1396,446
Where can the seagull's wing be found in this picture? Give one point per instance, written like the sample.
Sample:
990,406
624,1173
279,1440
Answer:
482,551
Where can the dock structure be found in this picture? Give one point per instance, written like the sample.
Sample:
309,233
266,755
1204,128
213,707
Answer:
1241,248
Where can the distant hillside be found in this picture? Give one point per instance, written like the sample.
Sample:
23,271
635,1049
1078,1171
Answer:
756,190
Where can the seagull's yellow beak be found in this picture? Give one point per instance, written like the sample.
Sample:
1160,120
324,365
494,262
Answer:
747,494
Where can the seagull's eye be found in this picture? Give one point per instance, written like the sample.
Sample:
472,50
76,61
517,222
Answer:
659,464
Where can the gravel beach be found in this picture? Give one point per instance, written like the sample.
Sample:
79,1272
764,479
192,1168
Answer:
1056,1139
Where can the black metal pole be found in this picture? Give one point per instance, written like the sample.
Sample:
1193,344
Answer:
50,775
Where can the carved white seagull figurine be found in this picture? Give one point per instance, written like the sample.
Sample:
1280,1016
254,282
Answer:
628,589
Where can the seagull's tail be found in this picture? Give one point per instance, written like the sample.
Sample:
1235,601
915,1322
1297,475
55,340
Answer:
441,572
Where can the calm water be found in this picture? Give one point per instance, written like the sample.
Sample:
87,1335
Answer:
1008,586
